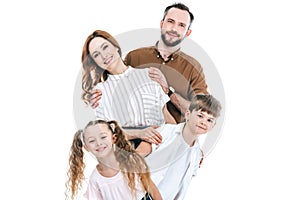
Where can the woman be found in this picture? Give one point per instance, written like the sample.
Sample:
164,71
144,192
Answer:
129,95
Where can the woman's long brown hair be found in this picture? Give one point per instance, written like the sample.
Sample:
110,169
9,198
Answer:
92,73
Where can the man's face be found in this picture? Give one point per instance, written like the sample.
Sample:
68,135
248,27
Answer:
175,27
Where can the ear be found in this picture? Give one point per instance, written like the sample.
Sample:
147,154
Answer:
213,125
188,32
161,23
187,114
85,147
114,138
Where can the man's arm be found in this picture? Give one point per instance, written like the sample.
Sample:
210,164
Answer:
181,103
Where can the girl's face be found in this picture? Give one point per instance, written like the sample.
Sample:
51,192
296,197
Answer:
200,122
98,140
103,52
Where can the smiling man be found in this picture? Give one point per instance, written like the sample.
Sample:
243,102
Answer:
180,75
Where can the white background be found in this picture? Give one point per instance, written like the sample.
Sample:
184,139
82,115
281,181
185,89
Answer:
254,45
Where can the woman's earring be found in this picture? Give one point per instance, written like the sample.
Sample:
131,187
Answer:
114,147
102,77
112,126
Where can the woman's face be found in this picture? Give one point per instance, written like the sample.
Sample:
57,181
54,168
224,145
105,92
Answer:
103,52
98,140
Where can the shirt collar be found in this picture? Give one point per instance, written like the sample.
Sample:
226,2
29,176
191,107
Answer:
173,56
119,76
179,130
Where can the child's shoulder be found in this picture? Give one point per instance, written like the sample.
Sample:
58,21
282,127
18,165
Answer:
169,127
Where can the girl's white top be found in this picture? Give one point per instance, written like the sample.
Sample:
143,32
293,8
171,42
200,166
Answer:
132,99
116,187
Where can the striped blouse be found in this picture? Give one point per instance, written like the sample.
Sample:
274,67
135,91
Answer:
132,99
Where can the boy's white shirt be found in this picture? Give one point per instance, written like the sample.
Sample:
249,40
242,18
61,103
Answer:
173,162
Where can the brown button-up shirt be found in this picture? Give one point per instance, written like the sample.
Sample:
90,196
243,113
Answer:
182,72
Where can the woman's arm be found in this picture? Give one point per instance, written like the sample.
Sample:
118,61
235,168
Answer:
149,134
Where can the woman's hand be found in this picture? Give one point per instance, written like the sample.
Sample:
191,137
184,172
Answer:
95,97
151,135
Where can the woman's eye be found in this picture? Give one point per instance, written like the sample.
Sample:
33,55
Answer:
103,137
96,55
105,47
91,141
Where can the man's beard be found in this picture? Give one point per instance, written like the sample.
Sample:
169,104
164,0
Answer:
168,43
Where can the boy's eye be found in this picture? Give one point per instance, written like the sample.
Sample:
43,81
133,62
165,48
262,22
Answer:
211,121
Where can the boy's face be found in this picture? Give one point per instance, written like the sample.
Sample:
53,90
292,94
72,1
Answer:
199,122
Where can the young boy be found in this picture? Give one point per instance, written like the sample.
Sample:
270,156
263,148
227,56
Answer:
172,163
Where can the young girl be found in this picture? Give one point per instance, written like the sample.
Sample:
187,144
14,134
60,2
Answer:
120,173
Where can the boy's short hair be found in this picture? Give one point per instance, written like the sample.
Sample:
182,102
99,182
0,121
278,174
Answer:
206,103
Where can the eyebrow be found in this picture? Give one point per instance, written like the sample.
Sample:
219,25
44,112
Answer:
105,42
174,21
206,114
